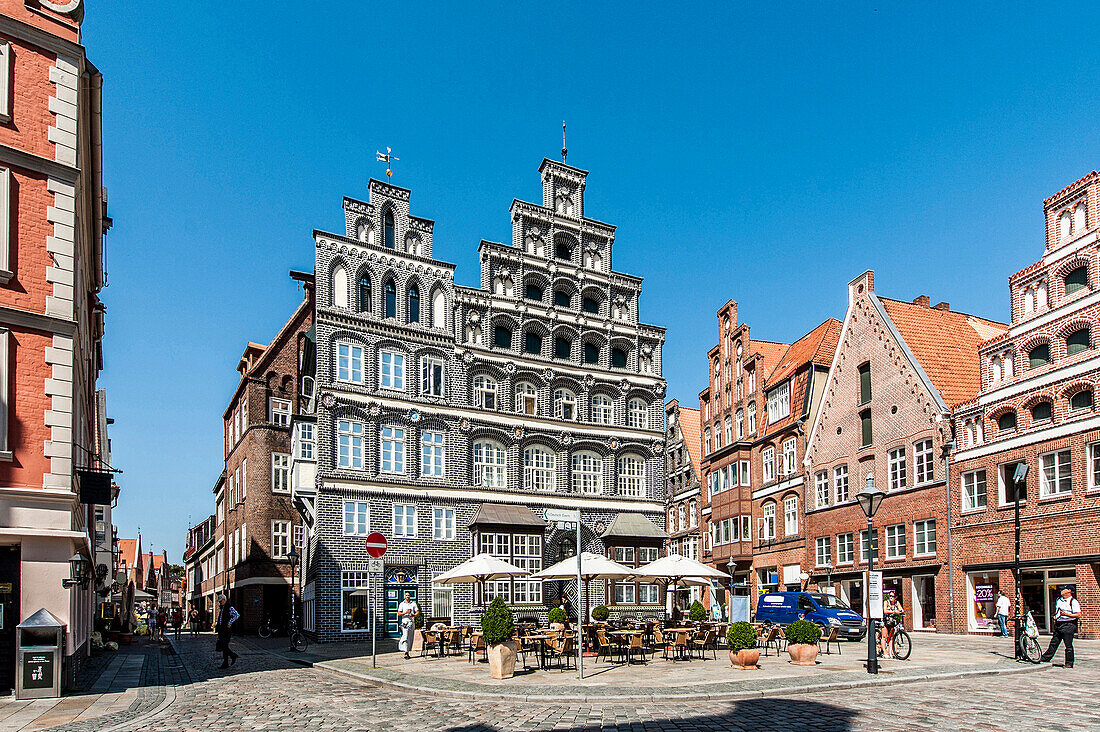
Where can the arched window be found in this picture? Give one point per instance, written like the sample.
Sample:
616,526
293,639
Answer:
997,368
489,464
538,469
388,229
1006,422
412,244
526,398
1042,412
1039,356
591,353
532,343
1081,400
531,291
340,286
439,309
502,336
562,250
565,404
636,414
363,232
364,294
631,476
485,392
414,304
1077,341
1064,225
561,298
618,358
587,469
563,348
1077,279
590,305
1079,224
602,410
391,299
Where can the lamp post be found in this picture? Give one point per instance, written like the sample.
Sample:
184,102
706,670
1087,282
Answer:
1019,479
869,499
293,556
78,571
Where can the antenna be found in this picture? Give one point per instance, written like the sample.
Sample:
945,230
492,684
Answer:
564,149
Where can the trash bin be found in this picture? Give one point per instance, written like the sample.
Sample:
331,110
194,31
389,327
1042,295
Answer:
40,643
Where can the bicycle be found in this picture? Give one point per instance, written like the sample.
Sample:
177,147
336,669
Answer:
1029,640
901,643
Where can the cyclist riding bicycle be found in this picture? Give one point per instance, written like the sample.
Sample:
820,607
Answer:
892,616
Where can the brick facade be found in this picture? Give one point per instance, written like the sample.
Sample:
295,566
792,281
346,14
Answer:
683,491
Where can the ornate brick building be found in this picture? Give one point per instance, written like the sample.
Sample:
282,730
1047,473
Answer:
885,419
451,417
1036,406
683,489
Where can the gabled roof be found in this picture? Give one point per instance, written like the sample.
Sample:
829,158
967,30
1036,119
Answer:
817,347
690,429
771,351
127,551
945,344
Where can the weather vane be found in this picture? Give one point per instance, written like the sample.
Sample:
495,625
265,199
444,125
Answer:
387,158
564,149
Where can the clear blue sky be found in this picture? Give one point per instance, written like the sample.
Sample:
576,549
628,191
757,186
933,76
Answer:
767,154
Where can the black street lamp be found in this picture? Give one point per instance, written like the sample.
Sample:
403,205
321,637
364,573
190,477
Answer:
293,556
869,499
1019,479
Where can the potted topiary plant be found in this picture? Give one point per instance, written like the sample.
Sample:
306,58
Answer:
697,613
557,618
600,613
496,628
741,639
802,638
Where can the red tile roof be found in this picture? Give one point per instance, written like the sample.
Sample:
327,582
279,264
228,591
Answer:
945,343
771,351
1074,184
689,427
127,551
817,346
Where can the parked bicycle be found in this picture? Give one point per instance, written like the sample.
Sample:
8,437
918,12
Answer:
1029,640
901,643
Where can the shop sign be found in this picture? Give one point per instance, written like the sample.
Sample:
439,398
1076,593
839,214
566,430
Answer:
874,594
983,593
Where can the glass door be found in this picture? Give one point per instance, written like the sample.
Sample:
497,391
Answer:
924,602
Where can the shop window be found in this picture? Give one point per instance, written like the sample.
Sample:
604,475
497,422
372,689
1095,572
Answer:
355,601
983,589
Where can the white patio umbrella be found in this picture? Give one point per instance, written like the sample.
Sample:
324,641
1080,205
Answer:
593,566
479,569
678,570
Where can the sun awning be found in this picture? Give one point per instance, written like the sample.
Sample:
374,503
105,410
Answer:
633,526
498,514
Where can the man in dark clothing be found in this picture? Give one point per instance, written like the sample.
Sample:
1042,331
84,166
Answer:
227,615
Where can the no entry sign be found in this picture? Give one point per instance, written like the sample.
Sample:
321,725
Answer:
376,545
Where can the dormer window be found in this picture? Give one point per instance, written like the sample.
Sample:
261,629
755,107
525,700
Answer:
389,230
1077,279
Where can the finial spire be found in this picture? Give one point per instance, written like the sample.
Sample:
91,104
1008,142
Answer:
564,149
386,158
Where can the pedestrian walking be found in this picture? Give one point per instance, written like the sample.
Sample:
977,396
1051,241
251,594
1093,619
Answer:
1003,604
227,615
407,611
193,618
177,621
162,622
1066,612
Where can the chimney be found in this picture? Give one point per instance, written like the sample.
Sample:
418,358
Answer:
922,300
941,306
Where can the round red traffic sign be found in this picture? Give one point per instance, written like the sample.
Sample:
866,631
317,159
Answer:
376,545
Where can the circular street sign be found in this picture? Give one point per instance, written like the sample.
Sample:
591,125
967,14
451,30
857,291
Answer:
376,545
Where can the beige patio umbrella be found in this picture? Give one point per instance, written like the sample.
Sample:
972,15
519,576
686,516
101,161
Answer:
678,570
593,566
478,570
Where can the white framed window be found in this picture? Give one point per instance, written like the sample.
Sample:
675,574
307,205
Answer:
1093,466
693,511
587,469
745,475
648,594
349,363
767,523
624,555
740,424
974,490
443,523
393,450
299,536
824,544
442,601
280,472
485,392
789,467
840,483
717,436
636,414
431,376
489,469
404,520
746,528
790,516
767,457
895,541
779,402
5,84
307,440
356,518
354,602
863,535
922,452
431,454
844,549
280,539
729,430
391,370
821,488
349,444
1055,474
278,411
752,418
924,538
538,468
565,404
601,409
243,484
898,472
526,398
625,593
631,476
706,441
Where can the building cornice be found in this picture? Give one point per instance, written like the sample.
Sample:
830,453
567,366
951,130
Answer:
25,32
22,159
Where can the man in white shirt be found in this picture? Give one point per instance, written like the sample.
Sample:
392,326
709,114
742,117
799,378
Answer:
1066,612
407,612
1002,613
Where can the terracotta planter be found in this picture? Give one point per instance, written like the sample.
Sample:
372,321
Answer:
502,660
803,654
746,658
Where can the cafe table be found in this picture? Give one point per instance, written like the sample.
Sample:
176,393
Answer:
541,639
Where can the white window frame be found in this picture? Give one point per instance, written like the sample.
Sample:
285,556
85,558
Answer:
281,533
922,531
923,462
746,476
564,398
845,547
779,402
5,82
6,272
1092,466
790,516
360,518
636,414
280,472
767,464
586,473
391,453
1055,471
767,522
391,375
278,408
349,362
969,483
840,482
821,488
486,392
898,470
443,523
746,527
404,520
307,441
354,581
489,460
527,398
895,541
603,409
740,424
539,464
823,551
433,454
752,418
790,457
433,383
349,451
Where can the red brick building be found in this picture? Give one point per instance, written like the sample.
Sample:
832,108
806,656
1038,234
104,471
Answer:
52,222
1036,406
899,369
683,489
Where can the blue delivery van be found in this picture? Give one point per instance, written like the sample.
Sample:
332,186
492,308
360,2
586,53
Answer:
828,611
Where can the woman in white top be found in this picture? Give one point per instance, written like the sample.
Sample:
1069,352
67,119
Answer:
407,612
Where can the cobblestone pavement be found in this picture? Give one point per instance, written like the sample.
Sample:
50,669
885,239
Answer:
265,692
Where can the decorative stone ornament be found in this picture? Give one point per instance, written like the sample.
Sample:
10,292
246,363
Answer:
614,443
468,357
374,409
414,415
464,425
517,432
567,438
328,399
510,367
624,385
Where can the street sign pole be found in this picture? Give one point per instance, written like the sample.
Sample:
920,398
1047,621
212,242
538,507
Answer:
573,517
376,548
